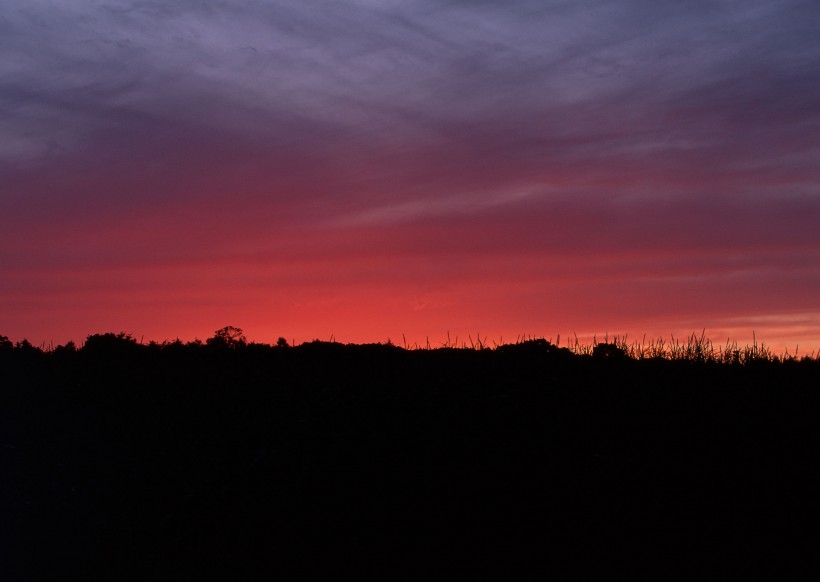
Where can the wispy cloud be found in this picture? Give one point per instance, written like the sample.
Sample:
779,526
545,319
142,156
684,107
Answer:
215,133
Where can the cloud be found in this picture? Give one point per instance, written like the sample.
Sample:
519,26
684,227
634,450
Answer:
573,140
411,68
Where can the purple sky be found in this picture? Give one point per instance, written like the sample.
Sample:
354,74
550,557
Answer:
369,169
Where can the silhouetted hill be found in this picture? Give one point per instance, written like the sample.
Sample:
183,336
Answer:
242,461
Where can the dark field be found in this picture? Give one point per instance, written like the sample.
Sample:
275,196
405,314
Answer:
233,461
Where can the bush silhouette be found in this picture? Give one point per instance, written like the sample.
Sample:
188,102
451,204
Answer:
109,343
609,351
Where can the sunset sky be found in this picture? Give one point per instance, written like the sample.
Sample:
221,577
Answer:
364,169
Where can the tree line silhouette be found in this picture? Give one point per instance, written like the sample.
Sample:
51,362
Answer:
163,460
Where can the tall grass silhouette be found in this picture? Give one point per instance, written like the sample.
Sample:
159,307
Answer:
695,347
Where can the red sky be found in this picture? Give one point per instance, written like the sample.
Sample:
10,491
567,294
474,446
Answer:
367,171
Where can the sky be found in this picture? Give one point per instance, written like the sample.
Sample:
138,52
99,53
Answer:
366,170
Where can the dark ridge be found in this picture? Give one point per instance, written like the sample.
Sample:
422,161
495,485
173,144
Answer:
237,460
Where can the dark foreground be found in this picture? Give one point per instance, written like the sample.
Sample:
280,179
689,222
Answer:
177,463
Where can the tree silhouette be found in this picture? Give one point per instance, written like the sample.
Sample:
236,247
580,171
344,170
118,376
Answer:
228,337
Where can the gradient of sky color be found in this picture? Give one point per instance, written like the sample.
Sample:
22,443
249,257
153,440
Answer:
367,169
